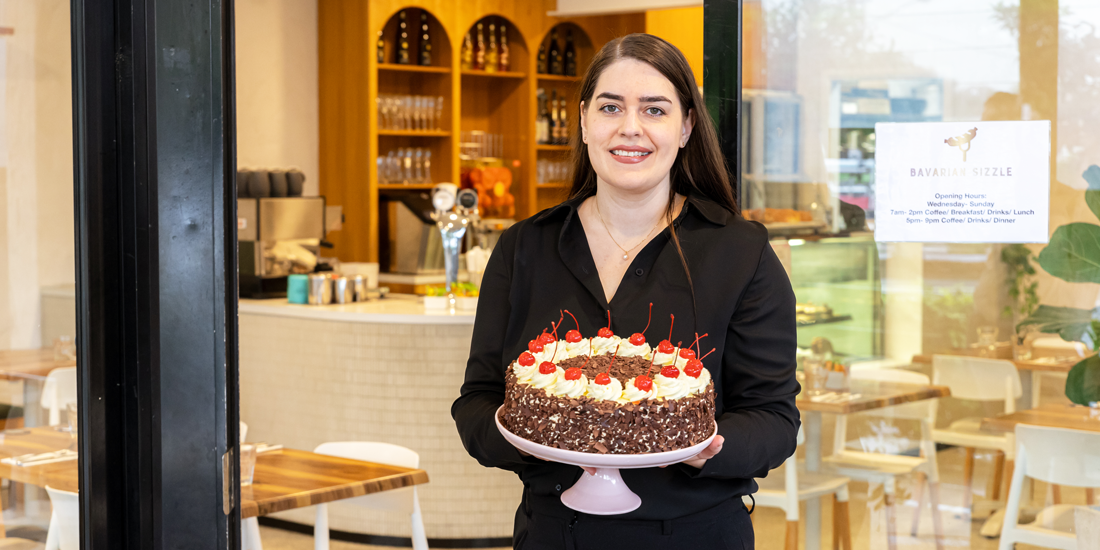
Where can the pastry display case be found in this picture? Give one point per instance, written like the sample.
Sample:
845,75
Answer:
838,285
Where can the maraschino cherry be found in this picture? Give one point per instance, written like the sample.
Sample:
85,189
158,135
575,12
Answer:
535,346
687,353
547,367
605,332
526,359
573,336
638,338
573,374
665,346
643,383
670,372
693,368
603,379
546,338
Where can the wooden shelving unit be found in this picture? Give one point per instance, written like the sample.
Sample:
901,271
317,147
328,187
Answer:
351,80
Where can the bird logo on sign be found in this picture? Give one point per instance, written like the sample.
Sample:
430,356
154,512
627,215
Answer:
960,141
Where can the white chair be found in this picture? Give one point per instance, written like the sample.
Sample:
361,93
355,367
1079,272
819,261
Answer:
399,500
64,532
1057,456
882,468
978,379
797,485
58,391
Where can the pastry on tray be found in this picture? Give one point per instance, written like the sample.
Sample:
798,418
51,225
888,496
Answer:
607,394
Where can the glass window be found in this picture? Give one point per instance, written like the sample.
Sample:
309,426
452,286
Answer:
818,75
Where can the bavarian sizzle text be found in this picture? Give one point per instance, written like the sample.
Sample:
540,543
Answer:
964,172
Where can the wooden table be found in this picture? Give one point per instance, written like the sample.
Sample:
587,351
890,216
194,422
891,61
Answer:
284,479
872,395
1074,417
31,367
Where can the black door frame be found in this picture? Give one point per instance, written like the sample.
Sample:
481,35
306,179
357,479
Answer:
722,37
154,158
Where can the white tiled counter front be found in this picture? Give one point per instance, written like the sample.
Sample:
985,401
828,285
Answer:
377,371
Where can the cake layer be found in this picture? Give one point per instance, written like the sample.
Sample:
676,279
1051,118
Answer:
585,425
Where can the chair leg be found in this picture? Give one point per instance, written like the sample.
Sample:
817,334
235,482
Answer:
891,523
937,519
53,541
968,478
1090,496
320,527
998,474
250,534
842,523
1056,493
791,540
918,495
419,538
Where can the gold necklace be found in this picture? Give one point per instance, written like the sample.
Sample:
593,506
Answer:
626,253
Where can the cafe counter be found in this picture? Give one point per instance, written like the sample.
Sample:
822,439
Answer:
386,370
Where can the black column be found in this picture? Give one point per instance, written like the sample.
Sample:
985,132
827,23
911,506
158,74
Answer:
722,79
156,273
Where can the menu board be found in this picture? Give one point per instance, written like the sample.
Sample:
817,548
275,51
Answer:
962,182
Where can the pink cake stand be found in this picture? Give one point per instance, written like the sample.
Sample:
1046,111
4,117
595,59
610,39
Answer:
605,493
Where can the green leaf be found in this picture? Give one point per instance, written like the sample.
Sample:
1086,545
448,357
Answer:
1073,253
1083,382
1092,198
1068,322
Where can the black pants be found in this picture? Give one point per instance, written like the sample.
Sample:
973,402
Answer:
723,527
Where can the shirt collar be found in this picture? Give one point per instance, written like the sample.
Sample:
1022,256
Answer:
700,206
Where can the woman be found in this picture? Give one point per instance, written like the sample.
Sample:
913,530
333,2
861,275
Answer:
651,218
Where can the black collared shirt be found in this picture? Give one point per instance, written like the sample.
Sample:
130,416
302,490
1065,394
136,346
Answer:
743,299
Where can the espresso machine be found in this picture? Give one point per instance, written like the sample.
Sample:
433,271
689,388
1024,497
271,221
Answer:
277,237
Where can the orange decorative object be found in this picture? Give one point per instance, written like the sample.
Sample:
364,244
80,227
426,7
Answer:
778,215
493,185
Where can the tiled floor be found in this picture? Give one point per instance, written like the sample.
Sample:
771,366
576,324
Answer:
867,516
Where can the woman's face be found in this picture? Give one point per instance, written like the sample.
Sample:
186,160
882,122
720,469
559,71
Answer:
634,126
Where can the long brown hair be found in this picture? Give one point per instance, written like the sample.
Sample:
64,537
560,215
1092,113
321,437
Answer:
699,169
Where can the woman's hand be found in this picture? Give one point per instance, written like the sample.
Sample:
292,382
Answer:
714,448
696,461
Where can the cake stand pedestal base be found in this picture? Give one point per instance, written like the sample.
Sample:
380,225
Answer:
602,494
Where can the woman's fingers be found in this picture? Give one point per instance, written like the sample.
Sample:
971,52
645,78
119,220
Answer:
714,448
591,471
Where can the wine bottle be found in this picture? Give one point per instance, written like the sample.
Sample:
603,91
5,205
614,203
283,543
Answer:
505,52
542,123
425,56
479,51
542,59
492,55
555,53
401,56
555,131
570,54
467,53
381,55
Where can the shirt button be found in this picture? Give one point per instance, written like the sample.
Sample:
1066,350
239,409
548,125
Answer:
557,488
639,272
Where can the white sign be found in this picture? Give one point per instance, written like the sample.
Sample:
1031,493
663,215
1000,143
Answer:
962,182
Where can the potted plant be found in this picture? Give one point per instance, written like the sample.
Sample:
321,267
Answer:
1073,255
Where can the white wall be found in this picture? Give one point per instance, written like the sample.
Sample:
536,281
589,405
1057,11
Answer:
277,112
